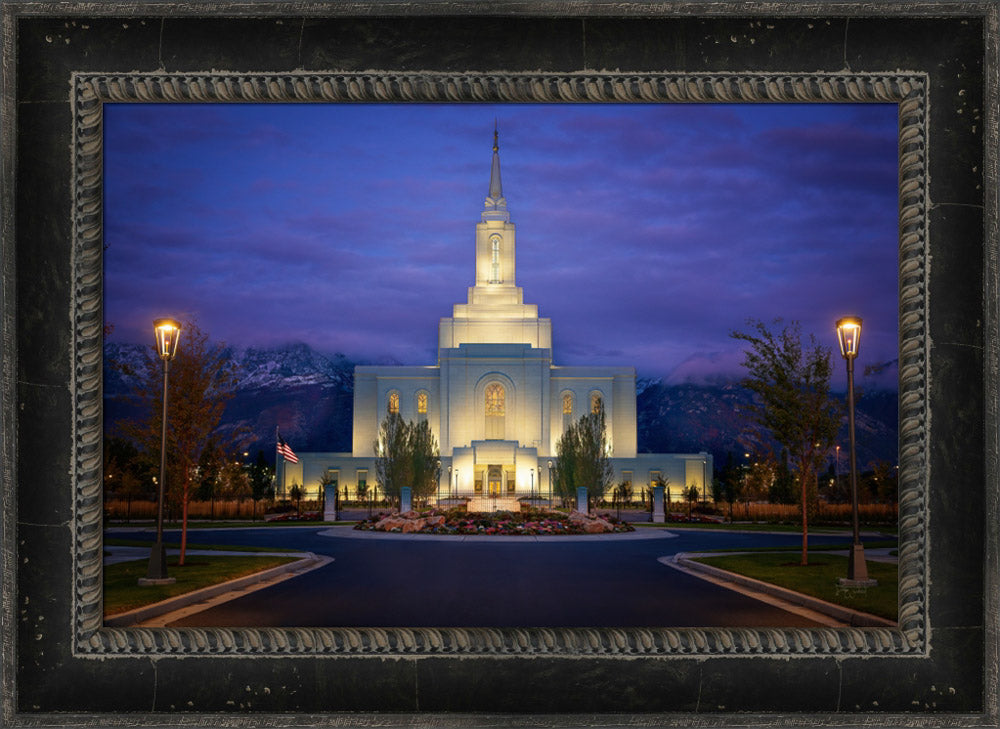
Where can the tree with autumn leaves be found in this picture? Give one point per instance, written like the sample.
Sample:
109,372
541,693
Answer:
791,384
201,381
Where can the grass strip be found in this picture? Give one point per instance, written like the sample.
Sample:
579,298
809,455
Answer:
115,542
244,524
883,544
122,591
818,579
761,527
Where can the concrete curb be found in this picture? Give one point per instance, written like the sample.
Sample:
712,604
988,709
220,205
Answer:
854,618
147,612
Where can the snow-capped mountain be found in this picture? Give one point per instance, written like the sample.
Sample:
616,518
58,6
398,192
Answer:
310,396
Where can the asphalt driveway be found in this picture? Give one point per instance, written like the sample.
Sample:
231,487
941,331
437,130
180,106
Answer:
598,581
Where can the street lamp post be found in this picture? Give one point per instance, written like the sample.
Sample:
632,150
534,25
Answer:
532,471
550,484
849,337
836,473
167,333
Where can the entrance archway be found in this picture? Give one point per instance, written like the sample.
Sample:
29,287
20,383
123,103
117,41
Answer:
494,480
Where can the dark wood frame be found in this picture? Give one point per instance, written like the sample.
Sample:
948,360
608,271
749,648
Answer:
939,62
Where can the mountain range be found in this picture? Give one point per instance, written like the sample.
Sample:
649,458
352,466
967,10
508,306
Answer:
310,396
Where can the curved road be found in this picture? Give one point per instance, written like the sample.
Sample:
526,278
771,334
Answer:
389,580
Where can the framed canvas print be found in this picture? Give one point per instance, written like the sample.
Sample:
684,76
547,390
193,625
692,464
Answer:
189,153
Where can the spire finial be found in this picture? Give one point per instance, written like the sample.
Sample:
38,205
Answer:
496,205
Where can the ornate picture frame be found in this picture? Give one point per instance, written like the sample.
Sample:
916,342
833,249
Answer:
52,345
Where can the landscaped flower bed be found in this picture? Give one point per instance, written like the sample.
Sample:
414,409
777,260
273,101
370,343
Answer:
535,522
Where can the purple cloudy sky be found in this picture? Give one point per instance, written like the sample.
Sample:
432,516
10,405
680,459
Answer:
646,232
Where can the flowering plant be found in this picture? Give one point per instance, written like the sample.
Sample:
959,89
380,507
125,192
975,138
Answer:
534,522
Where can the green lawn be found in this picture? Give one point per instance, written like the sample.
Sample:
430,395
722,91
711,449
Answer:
818,579
122,592
114,542
873,544
763,527
234,524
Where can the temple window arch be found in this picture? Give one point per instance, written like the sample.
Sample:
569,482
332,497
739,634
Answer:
596,402
392,403
495,397
422,400
567,409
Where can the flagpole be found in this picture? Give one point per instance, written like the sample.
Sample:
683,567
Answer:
278,476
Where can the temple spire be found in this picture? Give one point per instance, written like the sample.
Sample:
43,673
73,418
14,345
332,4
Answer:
496,204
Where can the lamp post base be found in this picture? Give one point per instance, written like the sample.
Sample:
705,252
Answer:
857,569
157,572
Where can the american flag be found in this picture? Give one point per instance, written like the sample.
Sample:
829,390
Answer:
286,450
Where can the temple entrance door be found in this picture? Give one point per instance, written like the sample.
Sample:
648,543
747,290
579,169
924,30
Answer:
494,480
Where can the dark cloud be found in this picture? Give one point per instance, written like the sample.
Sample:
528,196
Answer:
646,233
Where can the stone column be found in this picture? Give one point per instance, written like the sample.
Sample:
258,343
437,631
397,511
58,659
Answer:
405,500
659,516
581,500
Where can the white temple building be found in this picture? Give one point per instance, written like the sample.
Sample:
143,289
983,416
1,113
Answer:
495,401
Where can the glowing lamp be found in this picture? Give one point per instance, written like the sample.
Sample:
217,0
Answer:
849,336
168,333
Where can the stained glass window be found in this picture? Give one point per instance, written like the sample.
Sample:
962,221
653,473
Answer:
595,403
494,399
422,403
393,402
567,404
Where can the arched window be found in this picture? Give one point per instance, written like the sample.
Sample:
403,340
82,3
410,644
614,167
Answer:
495,259
496,406
394,402
567,410
596,403
422,405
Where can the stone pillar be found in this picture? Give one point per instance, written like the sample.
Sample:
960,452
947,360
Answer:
330,502
581,500
405,500
659,516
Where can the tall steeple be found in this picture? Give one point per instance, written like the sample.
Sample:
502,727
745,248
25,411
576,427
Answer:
495,314
496,203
